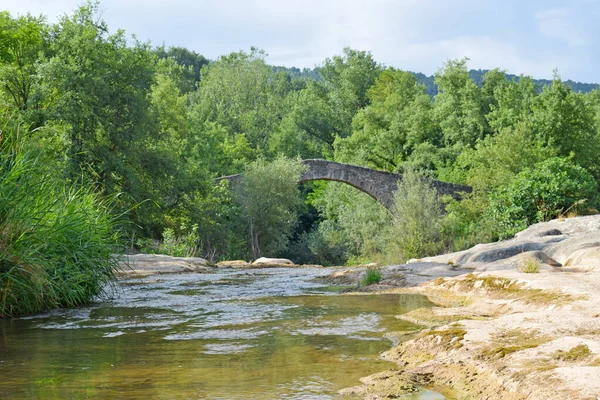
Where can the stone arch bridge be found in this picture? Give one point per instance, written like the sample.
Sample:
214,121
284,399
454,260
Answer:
380,185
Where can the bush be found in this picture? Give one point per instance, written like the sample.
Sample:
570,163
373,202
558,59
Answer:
372,276
356,227
184,244
56,239
541,193
465,224
328,244
270,199
418,217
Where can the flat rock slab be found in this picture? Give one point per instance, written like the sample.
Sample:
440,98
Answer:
151,264
573,242
234,264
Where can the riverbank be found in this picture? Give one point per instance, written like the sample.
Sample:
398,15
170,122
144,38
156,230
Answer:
500,333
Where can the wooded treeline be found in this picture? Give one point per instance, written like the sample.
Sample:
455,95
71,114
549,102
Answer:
151,128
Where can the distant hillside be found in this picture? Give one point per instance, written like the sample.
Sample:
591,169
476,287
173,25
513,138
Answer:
304,73
477,76
428,81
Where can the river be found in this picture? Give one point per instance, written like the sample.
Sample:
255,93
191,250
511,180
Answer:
234,334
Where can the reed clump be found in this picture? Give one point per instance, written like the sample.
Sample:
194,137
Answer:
57,238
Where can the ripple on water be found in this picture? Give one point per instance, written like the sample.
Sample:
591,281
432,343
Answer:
232,334
345,326
226,348
221,334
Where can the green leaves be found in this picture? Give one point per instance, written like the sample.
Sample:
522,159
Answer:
545,191
270,199
386,132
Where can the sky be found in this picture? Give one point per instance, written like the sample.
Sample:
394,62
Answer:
530,37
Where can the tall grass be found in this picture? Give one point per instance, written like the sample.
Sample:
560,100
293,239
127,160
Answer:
56,238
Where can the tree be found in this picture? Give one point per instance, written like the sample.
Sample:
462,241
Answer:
101,88
190,60
541,193
388,130
270,198
348,78
22,41
242,94
563,119
418,216
309,128
458,106
496,159
512,104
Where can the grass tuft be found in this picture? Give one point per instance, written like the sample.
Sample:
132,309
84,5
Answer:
512,341
577,353
372,276
529,265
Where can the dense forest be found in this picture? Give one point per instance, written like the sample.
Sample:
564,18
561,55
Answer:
110,144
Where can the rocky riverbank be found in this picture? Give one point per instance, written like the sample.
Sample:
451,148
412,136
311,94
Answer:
498,333
501,333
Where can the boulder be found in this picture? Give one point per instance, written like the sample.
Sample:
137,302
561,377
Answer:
273,262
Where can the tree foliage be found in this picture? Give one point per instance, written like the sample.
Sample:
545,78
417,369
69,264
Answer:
153,127
268,193
540,193
418,216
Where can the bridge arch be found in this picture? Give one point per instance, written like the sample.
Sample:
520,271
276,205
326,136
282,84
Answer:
380,185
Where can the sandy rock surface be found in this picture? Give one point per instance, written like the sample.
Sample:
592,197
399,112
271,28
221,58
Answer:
273,262
234,264
500,333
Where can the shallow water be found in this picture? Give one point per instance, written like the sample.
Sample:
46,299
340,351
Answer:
251,334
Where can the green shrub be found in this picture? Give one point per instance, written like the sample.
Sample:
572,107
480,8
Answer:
356,227
328,243
372,276
269,196
184,244
541,193
56,239
466,224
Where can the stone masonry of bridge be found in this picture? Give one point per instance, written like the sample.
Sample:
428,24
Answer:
380,185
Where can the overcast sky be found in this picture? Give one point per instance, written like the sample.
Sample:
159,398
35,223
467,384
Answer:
531,37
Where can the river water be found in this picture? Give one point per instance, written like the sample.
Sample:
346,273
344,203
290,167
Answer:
236,334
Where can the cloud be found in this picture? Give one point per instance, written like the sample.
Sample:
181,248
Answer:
485,53
555,23
50,8
418,35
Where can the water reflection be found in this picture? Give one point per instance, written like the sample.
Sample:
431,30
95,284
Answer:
252,334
